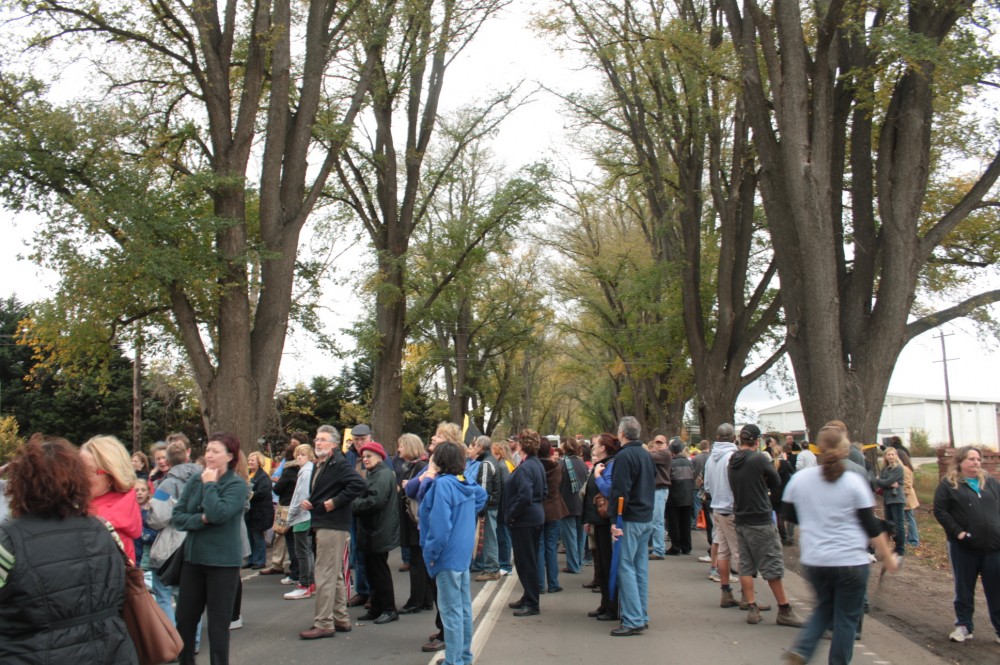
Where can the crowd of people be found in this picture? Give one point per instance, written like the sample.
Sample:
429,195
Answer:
462,511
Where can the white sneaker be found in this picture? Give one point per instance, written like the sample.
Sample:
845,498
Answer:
298,593
960,634
705,559
503,572
236,625
288,581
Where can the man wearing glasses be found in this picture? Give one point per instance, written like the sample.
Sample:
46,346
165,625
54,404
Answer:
335,484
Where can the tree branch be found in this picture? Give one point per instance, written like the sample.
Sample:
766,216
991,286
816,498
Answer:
964,308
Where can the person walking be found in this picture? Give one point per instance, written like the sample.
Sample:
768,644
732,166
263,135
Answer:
967,505
835,512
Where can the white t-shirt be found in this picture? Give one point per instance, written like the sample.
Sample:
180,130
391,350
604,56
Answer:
830,533
805,460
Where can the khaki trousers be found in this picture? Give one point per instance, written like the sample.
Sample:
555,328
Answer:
331,593
278,552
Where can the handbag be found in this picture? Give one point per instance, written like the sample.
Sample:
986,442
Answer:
155,638
170,572
281,520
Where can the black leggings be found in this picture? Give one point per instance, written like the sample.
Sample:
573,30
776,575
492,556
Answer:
211,588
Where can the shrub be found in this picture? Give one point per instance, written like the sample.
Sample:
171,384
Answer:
9,440
920,445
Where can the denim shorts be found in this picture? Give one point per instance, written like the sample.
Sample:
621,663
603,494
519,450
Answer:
760,551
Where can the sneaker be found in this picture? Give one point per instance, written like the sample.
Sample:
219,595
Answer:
753,614
299,593
705,559
503,573
487,577
961,633
713,574
288,581
787,616
236,625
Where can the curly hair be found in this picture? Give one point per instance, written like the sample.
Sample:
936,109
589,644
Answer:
47,479
449,432
530,441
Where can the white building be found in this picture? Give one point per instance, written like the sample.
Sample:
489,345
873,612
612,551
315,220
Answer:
975,421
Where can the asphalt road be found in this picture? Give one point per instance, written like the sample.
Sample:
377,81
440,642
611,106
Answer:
686,626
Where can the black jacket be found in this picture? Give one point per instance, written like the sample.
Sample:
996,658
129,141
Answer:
490,480
574,504
960,509
752,478
409,535
681,482
260,517
285,487
69,573
590,514
335,479
633,478
523,494
377,511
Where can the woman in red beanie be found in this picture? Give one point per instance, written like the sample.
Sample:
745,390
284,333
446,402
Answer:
377,511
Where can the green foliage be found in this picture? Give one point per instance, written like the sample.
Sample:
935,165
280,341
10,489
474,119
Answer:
10,439
920,445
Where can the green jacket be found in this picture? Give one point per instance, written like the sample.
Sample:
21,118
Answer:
219,542
377,511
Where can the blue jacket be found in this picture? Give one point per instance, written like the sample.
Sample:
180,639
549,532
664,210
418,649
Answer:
448,523
523,494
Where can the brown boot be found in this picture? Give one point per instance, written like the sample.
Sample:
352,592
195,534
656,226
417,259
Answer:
744,605
753,614
788,617
728,600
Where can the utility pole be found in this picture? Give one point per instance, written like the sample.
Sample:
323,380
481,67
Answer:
947,389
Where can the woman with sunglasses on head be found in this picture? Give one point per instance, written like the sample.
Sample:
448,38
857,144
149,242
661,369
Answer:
112,483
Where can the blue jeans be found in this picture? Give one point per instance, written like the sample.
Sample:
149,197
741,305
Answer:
840,596
912,535
488,561
894,513
968,565
569,527
633,574
697,508
454,600
659,509
548,556
504,546
258,548
165,596
357,562
404,553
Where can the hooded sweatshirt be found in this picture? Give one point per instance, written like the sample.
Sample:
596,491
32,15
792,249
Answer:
717,477
448,523
751,475
121,509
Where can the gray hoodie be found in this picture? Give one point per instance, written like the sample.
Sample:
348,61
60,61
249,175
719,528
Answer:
717,476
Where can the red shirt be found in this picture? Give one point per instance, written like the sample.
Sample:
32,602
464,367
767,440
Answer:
121,509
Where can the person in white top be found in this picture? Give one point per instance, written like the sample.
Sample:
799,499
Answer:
835,513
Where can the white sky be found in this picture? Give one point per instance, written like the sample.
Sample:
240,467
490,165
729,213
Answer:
505,52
